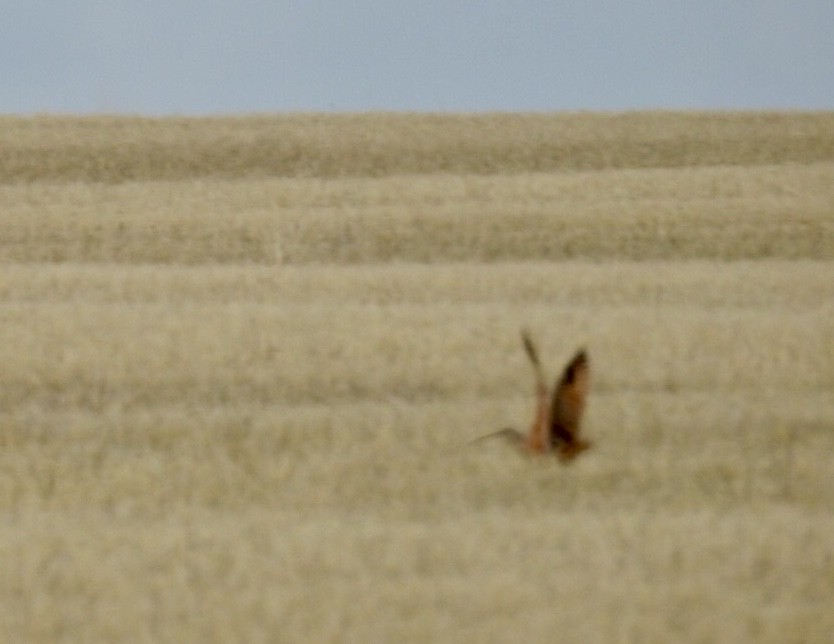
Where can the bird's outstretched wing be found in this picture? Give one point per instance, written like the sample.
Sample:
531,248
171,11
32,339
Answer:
569,403
530,348
539,439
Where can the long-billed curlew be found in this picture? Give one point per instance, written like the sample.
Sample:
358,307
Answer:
558,417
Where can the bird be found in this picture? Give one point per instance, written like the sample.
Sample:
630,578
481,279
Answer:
558,416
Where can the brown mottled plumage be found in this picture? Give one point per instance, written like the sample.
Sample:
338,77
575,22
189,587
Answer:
557,421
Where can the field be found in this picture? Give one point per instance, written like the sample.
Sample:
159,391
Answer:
242,359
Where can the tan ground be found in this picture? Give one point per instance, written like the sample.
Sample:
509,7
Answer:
242,358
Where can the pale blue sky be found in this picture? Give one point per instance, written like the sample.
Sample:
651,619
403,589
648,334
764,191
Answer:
208,56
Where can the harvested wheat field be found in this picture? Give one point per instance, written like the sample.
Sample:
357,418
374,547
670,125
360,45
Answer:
243,360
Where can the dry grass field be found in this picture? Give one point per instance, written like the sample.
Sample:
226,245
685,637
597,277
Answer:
242,359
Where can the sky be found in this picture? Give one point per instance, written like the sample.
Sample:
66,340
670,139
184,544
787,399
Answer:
200,57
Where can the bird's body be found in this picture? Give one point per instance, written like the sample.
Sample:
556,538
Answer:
558,414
